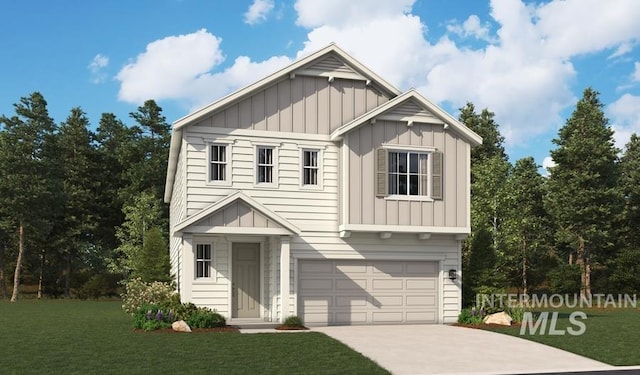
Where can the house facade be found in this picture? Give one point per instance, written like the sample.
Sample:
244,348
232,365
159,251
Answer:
321,191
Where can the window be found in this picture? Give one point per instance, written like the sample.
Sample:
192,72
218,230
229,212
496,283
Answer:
218,163
408,173
413,172
264,165
310,167
203,260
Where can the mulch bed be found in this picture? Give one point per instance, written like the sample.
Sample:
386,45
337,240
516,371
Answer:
287,328
193,330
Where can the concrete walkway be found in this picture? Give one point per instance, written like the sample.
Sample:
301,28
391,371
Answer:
442,349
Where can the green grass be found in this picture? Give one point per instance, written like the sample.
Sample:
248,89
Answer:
611,335
75,337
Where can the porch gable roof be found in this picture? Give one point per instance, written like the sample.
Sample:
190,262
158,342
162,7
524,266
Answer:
234,214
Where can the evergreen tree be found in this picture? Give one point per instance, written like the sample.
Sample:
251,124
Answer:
626,273
29,185
483,251
582,187
153,263
77,219
525,225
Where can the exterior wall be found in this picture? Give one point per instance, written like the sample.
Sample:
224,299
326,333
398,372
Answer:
304,104
366,208
305,208
399,247
177,212
238,215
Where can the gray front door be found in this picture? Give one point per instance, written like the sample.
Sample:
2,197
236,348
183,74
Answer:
246,280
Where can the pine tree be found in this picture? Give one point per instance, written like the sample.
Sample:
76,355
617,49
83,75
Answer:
582,187
29,186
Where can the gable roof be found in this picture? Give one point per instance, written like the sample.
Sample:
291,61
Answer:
331,50
324,57
411,95
285,227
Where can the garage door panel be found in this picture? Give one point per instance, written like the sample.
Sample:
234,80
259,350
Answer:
387,284
351,284
349,269
387,317
388,268
349,317
422,300
351,301
316,284
315,267
420,317
422,268
368,292
421,284
389,300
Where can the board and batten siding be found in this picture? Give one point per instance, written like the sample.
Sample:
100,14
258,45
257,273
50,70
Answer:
304,104
178,212
308,209
366,208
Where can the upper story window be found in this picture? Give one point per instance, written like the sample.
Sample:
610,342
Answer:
203,260
218,163
408,173
310,167
265,166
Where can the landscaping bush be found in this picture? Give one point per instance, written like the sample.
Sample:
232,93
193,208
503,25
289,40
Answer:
138,293
471,316
516,312
203,317
293,321
152,317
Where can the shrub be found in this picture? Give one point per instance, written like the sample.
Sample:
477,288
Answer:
293,321
471,316
152,317
203,317
138,293
516,312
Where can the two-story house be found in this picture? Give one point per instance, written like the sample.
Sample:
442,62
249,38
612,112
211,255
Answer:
321,191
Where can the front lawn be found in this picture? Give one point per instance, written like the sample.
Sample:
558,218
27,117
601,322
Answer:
611,335
75,337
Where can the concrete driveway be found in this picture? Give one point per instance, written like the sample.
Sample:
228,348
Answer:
442,349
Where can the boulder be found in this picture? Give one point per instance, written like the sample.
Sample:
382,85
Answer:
180,326
501,318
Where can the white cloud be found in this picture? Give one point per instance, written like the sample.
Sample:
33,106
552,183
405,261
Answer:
625,118
96,67
622,50
258,11
471,27
180,68
340,13
635,76
548,163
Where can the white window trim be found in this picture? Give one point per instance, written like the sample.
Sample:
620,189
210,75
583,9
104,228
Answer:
228,173
320,152
275,156
212,270
416,149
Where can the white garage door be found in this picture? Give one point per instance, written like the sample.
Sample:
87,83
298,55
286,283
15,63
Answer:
367,292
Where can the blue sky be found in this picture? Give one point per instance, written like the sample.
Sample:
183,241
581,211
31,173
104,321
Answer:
526,61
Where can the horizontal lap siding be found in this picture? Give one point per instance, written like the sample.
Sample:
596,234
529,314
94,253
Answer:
214,293
307,209
366,208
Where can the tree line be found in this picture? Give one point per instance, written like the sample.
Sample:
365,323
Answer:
572,231
80,209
